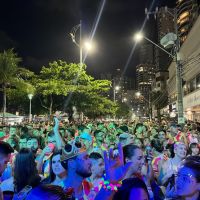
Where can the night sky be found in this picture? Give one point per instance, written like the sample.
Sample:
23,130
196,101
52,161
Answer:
39,31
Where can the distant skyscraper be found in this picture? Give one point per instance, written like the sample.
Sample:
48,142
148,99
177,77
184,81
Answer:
165,24
145,74
146,53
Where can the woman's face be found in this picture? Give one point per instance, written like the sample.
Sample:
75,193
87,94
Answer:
195,151
186,183
140,193
56,165
137,161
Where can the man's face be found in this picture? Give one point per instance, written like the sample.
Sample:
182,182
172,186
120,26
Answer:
23,143
83,165
97,167
4,159
12,131
51,139
161,135
32,144
173,130
180,150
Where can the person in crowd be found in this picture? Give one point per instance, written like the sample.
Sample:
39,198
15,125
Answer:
97,168
187,184
168,168
5,154
14,142
33,144
12,130
57,172
99,143
126,138
132,188
134,154
23,141
141,167
194,149
50,192
25,171
78,168
138,142
51,138
138,132
86,139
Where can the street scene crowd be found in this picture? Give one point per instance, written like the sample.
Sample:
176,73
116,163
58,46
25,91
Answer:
100,160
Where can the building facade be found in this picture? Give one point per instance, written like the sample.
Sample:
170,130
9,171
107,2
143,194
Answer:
190,51
187,13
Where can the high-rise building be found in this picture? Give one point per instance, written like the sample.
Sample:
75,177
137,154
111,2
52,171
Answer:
187,13
165,24
145,73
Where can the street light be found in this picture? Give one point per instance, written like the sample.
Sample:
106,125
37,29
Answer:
116,88
30,96
82,45
138,37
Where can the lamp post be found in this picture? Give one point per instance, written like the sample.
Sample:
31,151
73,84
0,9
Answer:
139,36
30,96
116,88
87,44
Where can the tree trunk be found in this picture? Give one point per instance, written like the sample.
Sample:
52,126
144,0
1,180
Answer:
4,103
158,114
51,105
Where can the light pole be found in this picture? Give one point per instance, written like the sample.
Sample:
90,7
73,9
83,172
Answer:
30,96
87,44
138,37
116,88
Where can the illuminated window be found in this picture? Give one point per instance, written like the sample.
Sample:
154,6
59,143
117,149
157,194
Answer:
183,30
184,15
141,69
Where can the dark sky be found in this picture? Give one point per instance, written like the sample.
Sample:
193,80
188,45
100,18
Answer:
39,31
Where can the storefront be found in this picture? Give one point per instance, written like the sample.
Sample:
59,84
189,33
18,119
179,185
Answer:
191,105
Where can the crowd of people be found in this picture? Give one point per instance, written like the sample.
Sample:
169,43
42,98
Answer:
100,161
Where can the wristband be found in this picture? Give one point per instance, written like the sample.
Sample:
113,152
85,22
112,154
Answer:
110,186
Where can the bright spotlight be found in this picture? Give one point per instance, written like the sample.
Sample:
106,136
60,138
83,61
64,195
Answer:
138,36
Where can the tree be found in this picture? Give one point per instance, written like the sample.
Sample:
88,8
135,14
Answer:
60,78
123,110
93,105
12,77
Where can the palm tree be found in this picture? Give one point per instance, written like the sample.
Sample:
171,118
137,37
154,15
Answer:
11,75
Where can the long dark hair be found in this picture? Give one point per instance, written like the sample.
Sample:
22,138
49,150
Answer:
50,192
51,176
193,162
127,185
25,171
129,151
